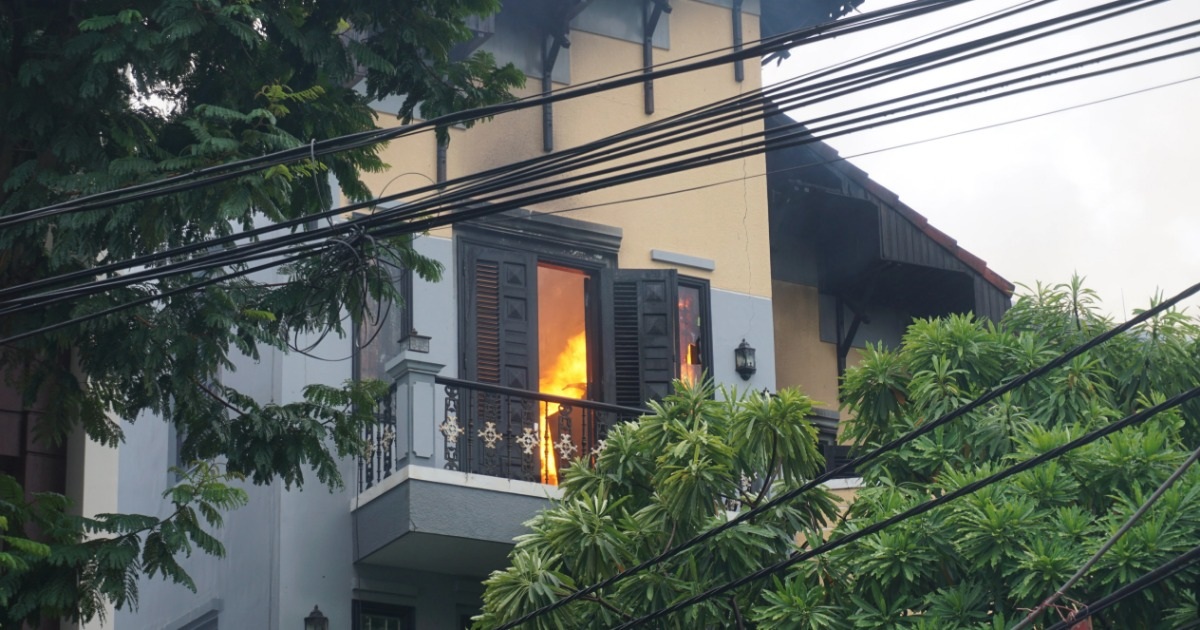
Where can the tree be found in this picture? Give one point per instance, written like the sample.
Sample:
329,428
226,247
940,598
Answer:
107,93
659,481
984,560
978,562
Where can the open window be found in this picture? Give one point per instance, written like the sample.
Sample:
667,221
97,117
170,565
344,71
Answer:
564,322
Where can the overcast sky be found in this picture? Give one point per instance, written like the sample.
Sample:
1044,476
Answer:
1108,190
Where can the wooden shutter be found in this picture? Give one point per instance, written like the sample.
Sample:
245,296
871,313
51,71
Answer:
501,317
501,348
641,333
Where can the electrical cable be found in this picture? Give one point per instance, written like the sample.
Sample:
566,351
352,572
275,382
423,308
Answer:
844,158
871,455
742,116
1112,540
218,173
807,134
156,297
254,233
440,191
890,148
1084,440
187,249
1164,571
426,219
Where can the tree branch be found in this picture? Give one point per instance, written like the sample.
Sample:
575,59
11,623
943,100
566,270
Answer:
770,472
737,613
600,600
224,403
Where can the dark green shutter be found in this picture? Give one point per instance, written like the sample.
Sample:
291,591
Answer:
500,347
642,326
501,330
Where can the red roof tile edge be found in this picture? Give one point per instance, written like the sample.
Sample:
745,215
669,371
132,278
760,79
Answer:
860,177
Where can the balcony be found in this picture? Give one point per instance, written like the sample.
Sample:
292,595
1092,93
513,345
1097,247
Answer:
454,468
496,431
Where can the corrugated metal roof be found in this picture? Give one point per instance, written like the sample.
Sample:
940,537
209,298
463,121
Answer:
878,193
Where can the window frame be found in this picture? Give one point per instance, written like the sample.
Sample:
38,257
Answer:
706,329
589,247
546,243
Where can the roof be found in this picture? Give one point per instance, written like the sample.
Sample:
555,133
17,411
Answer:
882,195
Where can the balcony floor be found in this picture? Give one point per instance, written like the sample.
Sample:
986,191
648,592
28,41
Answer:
444,521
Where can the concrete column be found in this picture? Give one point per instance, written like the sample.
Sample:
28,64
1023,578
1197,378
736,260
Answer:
416,406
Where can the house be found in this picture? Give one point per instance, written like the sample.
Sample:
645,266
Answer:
555,322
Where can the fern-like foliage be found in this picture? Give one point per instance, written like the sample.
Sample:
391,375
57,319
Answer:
109,93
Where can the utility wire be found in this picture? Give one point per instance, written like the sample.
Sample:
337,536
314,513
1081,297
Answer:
219,173
865,458
316,149
1127,421
1164,571
1112,540
844,158
838,159
507,172
761,105
804,134
384,223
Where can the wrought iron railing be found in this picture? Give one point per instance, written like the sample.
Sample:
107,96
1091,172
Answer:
381,455
498,431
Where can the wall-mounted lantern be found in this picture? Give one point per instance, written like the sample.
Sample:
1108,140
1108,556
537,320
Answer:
316,620
743,360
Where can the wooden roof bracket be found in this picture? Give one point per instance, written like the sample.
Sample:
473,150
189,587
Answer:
654,9
846,339
551,44
557,32
739,67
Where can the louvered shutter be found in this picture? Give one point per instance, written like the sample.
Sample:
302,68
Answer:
641,325
501,331
500,347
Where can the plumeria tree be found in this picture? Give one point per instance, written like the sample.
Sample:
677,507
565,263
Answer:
682,469
982,561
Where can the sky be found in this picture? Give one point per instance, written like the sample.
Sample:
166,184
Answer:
1106,190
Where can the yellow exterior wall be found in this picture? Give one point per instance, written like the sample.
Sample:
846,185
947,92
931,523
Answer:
802,360
726,223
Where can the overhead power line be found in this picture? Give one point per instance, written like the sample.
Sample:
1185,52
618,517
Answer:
688,159
149,259
1112,540
225,172
876,453
1054,453
198,286
1163,572
408,221
843,158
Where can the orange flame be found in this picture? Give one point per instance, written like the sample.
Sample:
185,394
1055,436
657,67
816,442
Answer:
568,377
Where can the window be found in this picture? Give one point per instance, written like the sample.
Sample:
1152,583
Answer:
560,320
376,616
695,337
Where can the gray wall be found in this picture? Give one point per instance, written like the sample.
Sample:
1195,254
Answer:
241,585
736,316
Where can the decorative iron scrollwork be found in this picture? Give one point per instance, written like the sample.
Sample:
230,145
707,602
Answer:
490,436
528,440
566,447
451,430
